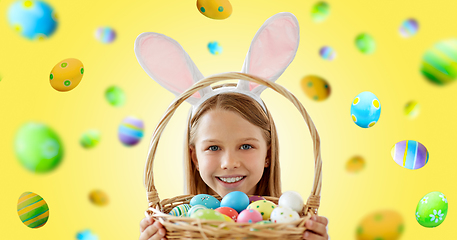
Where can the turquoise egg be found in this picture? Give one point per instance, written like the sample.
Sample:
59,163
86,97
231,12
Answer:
214,48
320,11
90,138
205,200
105,34
365,43
130,131
38,147
32,19
236,200
410,154
432,209
86,235
115,96
439,63
180,211
365,110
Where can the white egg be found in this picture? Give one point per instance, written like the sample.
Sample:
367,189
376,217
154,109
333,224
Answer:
292,200
283,214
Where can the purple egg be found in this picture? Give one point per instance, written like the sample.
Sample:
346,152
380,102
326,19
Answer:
130,131
255,198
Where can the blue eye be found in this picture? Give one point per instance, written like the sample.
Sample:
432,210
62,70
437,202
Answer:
246,146
213,148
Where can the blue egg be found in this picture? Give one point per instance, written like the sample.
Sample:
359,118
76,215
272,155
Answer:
214,48
365,110
205,200
236,200
32,19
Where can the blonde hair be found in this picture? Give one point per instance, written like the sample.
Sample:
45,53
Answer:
252,111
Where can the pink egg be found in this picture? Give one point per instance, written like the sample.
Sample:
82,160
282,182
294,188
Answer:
228,211
249,216
255,198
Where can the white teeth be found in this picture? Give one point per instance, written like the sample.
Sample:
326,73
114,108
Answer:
231,180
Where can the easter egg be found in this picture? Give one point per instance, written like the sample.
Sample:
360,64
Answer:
291,199
432,209
384,224
327,53
130,131
208,214
409,28
315,87
365,110
255,198
86,235
263,222
283,214
38,147
115,96
365,43
90,138
105,34
194,209
32,210
215,9
98,197
410,154
320,11
66,74
214,48
230,212
236,200
180,211
32,19
205,200
412,109
264,207
227,218
249,216
355,164
439,64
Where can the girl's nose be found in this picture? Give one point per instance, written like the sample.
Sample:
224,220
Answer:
229,161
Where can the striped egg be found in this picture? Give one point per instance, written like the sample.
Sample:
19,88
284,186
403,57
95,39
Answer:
439,64
412,109
410,154
32,210
180,211
131,130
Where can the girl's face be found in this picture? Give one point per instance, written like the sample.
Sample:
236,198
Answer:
230,152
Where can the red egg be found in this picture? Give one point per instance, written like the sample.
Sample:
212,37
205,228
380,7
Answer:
230,212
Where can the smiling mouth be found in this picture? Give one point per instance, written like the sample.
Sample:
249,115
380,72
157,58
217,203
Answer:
231,180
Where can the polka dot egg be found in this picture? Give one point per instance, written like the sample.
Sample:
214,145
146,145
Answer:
215,9
283,214
384,224
230,212
265,208
32,210
410,154
214,48
249,216
315,87
365,110
86,235
66,74
130,131
205,200
432,209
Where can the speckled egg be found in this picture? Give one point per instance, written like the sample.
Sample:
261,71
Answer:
432,209
98,197
230,212
249,216
208,214
215,9
365,110
214,48
205,200
32,210
355,164
409,28
265,208
283,214
410,154
90,138
130,131
315,87
86,235
115,96
105,34
255,198
32,19
194,209
180,211
327,53
439,63
320,11
365,43
236,200
38,148
66,74
292,200
384,224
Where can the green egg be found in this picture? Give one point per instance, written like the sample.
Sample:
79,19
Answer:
432,209
439,63
38,148
115,96
208,214
90,138
32,210
365,43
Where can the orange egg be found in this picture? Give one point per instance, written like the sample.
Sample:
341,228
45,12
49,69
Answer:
66,74
215,9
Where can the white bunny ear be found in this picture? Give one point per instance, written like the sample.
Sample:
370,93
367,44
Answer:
272,50
165,61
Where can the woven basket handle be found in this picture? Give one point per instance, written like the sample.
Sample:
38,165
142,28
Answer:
312,204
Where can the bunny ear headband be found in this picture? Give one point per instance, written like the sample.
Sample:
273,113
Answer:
273,48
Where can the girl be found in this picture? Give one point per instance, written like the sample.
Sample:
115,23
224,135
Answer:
232,143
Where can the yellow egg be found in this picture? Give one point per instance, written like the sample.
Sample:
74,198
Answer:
215,9
315,87
355,164
227,218
66,74
264,207
98,197
384,224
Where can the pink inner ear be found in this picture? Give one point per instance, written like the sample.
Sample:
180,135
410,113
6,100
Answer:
167,62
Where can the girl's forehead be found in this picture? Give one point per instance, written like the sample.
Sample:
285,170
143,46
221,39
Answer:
220,122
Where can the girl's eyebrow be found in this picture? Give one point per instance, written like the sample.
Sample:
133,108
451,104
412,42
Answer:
241,140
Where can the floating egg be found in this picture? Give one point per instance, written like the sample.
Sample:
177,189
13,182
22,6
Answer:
384,224
365,43
255,198
320,11
32,19
410,154
292,200
105,34
409,28
315,87
327,53
194,209
230,212
208,214
90,138
66,74
214,48
236,200
264,207
98,197
412,109
115,96
365,110
86,235
38,147
249,216
432,209
180,211
131,130
355,164
439,64
215,9
205,200
283,214
32,210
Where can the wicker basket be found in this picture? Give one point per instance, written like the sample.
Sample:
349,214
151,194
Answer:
189,228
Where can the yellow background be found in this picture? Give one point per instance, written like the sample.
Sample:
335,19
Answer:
391,73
